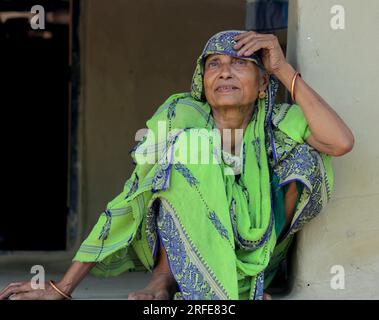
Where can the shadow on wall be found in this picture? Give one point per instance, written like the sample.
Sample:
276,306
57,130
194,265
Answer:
130,71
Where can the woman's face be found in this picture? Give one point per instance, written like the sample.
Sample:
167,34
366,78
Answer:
231,82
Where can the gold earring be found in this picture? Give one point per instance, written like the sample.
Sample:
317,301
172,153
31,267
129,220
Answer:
262,95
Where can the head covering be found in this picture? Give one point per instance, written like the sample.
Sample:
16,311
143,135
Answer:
221,43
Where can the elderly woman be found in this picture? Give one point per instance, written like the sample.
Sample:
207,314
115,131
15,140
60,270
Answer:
217,230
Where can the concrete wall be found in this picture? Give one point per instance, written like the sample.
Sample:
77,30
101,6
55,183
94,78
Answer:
341,66
135,55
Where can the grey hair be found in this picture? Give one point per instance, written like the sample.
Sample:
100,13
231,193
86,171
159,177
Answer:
262,71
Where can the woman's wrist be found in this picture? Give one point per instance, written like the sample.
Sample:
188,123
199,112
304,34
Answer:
66,287
285,75
76,272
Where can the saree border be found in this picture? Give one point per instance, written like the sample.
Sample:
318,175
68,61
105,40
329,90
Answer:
184,271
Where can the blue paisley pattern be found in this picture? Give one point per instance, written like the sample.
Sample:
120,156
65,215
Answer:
279,112
186,174
259,286
304,164
195,280
163,167
171,109
133,187
219,226
161,177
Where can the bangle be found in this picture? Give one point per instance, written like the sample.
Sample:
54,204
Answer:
65,295
293,85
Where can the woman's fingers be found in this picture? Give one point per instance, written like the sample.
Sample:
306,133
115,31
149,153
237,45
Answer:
249,46
12,289
257,44
19,296
246,37
29,295
5,290
245,34
24,291
11,284
264,41
242,39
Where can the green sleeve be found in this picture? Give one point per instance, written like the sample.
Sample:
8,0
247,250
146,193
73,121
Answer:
295,125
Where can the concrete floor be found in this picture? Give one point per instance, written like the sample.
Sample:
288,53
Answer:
90,288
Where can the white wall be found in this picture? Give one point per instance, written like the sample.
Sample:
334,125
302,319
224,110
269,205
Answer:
342,66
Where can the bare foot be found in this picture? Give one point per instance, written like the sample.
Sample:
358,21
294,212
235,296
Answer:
162,286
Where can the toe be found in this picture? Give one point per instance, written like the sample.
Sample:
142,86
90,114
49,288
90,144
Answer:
140,296
162,296
267,296
131,296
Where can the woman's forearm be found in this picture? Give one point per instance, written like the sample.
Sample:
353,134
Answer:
325,124
75,273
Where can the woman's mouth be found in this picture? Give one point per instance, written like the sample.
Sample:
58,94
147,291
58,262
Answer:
226,89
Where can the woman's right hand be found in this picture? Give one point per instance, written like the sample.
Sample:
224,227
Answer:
24,291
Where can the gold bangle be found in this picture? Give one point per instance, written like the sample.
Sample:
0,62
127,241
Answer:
65,295
293,86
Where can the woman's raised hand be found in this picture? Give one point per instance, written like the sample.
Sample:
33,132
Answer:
272,54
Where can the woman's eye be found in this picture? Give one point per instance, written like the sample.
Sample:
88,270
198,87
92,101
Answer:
212,64
240,62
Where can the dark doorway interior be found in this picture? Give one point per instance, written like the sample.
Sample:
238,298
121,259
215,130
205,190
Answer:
34,82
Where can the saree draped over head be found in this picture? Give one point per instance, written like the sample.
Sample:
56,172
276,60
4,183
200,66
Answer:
220,233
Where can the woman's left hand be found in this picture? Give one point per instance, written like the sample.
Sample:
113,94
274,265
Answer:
272,54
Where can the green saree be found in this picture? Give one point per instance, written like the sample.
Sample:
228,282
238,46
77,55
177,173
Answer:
219,232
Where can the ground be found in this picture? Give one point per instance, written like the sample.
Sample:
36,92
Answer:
90,288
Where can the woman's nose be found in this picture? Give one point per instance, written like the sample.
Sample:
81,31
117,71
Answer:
225,71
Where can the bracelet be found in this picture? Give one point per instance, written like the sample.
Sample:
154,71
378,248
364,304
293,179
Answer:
293,85
65,295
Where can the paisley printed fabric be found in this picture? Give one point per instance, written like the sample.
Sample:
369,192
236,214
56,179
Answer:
219,234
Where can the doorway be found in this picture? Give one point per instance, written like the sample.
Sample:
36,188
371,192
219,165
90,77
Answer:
35,82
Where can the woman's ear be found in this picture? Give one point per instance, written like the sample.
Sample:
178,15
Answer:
263,80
